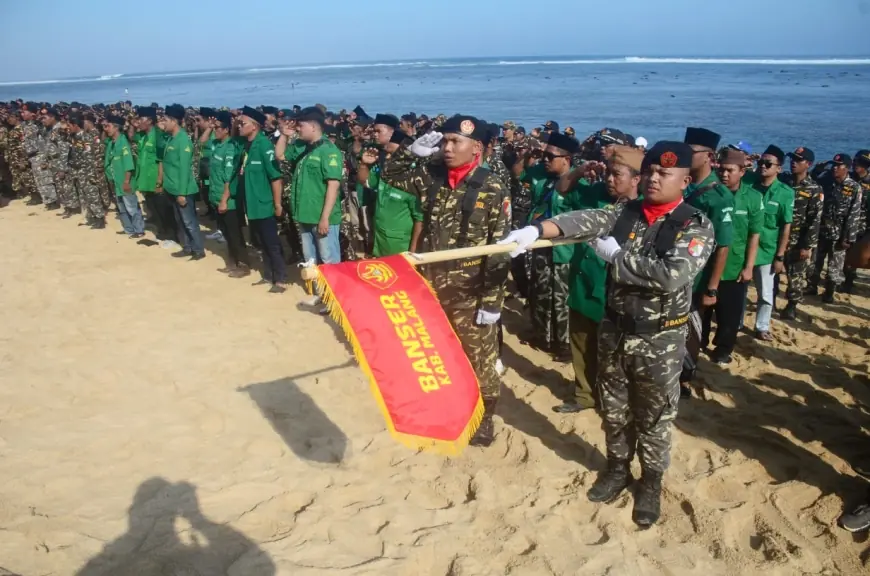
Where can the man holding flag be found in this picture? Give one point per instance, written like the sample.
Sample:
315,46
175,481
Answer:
654,247
464,205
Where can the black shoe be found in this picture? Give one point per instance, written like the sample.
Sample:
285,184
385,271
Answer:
848,286
648,500
52,206
99,225
197,256
812,290
486,432
121,233
830,290
857,520
789,312
226,270
610,483
137,235
721,359
182,254
277,289
67,214
685,391
34,201
571,408
261,282
240,272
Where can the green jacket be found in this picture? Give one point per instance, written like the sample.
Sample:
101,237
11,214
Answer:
547,203
260,168
225,160
323,163
178,165
396,212
145,176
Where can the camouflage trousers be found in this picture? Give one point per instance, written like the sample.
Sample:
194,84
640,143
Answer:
796,270
44,180
87,194
23,183
639,394
549,298
836,259
107,195
480,344
65,193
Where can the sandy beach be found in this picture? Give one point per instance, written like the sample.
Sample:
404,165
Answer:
159,419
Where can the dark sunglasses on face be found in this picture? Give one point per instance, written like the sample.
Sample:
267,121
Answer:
766,164
551,156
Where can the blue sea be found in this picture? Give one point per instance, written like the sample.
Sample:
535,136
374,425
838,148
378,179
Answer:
791,102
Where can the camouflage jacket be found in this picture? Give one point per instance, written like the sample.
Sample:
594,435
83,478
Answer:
842,210
84,155
640,285
807,218
15,154
4,142
58,149
99,151
865,205
496,164
465,283
31,138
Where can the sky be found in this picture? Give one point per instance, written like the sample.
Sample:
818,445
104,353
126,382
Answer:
50,39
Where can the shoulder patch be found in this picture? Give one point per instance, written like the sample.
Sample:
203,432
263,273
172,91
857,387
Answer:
696,247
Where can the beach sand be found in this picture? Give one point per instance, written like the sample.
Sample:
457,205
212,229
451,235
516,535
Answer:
159,418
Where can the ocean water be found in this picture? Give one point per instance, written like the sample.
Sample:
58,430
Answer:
819,103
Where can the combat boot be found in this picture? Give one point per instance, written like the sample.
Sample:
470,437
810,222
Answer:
486,432
830,290
611,482
52,206
848,285
648,500
789,312
811,290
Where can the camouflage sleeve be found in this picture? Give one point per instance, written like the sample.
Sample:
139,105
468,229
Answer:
62,158
853,218
404,171
812,221
588,224
496,267
676,269
30,141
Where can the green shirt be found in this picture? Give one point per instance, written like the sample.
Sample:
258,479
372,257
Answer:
778,211
107,158
260,169
547,203
122,162
177,165
145,177
162,139
396,212
588,276
224,163
748,219
322,164
717,204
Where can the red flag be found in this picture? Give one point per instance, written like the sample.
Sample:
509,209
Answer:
403,341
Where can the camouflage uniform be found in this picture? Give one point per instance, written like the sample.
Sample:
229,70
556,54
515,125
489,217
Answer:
840,221
286,222
548,300
84,156
58,160
462,286
36,145
22,174
5,171
497,165
99,146
639,368
804,233
349,208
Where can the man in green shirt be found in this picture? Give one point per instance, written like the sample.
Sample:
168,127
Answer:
778,213
202,156
122,172
179,183
551,266
145,175
398,216
316,182
747,222
261,178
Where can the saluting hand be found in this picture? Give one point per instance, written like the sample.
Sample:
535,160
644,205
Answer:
369,157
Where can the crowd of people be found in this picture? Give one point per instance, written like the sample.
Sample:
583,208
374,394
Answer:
672,234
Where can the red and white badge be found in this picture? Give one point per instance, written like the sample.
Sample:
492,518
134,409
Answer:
696,247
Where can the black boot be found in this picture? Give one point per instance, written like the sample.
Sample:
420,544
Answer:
789,312
611,482
52,206
830,290
811,290
486,432
849,284
648,500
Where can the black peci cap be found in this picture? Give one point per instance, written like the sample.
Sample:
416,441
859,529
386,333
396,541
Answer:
254,115
776,152
115,119
224,118
311,114
206,112
567,143
387,120
702,137
668,154
175,111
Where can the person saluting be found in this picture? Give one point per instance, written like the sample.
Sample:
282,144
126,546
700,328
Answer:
654,248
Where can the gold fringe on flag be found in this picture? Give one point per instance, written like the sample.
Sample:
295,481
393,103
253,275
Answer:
434,445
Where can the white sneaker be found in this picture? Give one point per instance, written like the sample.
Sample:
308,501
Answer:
215,236
499,367
169,245
311,301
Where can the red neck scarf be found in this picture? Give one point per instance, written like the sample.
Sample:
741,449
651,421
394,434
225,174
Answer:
653,212
456,175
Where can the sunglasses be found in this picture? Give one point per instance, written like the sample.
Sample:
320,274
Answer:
767,164
551,156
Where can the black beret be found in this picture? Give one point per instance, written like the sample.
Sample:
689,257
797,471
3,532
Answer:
398,136
668,155
702,137
330,130
224,118
269,109
311,114
387,120
147,112
468,126
30,106
254,115
76,118
776,152
410,117
206,112
567,143
803,153
175,111
114,119
51,111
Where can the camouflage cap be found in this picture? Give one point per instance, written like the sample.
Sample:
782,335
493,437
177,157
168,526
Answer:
509,125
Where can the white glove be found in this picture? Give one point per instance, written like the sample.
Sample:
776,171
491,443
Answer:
310,263
523,238
485,318
426,145
607,248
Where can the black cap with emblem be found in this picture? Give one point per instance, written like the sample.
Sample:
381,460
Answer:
843,159
803,153
668,154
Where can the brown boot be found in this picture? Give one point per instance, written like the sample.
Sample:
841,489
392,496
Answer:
486,432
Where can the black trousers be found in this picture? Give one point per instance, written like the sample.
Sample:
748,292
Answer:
162,206
266,232
728,310
230,224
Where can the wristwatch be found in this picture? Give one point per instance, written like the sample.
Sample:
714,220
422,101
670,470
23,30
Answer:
779,258
540,227
712,293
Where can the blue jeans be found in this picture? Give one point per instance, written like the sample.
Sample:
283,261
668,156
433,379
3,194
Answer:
763,276
323,249
130,214
188,226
